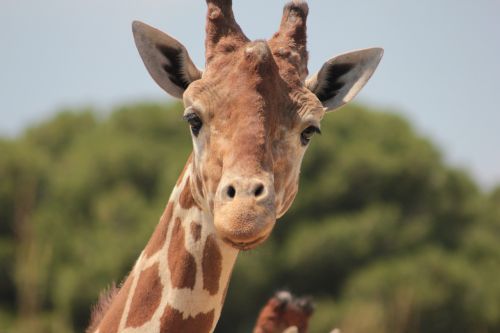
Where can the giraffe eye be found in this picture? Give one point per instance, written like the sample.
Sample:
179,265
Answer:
307,134
194,122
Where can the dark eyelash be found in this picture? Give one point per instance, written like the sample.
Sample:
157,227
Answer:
307,133
190,116
194,121
316,129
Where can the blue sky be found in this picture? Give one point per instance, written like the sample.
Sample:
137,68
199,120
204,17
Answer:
441,67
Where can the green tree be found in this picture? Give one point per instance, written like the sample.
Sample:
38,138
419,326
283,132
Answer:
383,234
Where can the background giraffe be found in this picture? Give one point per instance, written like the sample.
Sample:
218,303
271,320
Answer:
252,114
284,311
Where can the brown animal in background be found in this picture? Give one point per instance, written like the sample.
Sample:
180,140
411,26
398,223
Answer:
252,114
284,311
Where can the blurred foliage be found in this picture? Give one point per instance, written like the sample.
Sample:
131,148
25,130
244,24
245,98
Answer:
383,234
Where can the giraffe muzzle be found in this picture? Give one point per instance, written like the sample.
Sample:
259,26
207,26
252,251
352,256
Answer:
245,212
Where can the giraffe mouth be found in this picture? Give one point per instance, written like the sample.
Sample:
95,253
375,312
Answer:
245,246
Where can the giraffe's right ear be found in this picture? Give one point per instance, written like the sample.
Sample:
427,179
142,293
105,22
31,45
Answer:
341,78
165,58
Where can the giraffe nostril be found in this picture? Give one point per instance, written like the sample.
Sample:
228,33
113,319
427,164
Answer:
231,192
259,190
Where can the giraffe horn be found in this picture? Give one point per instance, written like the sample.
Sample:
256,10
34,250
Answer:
222,29
291,39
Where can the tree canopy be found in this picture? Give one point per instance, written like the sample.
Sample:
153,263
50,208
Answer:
383,234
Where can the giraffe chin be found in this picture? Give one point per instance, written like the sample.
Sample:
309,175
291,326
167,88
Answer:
243,223
244,236
242,246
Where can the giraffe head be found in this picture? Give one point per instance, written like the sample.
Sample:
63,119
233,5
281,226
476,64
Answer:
252,113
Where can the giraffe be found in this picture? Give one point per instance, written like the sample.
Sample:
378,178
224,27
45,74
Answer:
252,114
284,312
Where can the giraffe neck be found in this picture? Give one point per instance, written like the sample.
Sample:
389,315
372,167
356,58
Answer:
179,282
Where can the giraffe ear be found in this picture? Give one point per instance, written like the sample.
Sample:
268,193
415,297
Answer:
341,78
165,58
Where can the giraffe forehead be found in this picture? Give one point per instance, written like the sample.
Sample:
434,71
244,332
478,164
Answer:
257,78
246,79
251,100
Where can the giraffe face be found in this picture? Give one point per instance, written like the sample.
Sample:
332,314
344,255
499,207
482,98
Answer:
250,130
251,112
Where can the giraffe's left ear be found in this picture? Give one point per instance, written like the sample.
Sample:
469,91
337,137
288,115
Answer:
341,78
166,59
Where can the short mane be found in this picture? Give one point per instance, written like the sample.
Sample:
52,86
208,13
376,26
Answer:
99,309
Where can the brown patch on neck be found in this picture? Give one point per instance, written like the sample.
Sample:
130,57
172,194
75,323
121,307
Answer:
186,199
147,297
196,231
211,265
111,320
181,263
173,321
160,234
